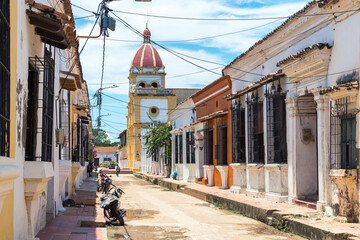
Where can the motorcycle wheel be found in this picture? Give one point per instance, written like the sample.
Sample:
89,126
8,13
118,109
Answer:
107,215
119,217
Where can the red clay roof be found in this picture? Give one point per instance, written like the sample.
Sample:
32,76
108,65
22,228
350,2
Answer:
105,150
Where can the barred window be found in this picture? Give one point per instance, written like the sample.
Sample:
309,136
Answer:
176,149
276,126
4,78
221,144
342,135
48,106
32,108
181,149
190,151
192,147
208,146
187,147
255,129
238,132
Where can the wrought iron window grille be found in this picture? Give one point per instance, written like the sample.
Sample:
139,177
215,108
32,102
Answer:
181,149
342,135
176,149
221,143
208,145
32,113
5,78
238,132
192,147
255,129
276,125
187,147
190,151
48,105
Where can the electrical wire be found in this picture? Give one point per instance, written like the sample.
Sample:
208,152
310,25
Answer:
233,19
198,39
237,79
77,59
166,109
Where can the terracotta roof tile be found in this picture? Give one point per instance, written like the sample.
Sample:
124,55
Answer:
302,52
105,150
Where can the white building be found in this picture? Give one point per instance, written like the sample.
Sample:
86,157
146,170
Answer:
299,117
183,140
106,154
37,134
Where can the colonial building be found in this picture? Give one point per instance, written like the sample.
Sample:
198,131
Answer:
213,130
183,140
295,106
123,149
44,115
105,155
149,99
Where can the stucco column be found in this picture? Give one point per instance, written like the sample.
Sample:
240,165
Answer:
291,146
199,152
172,154
323,143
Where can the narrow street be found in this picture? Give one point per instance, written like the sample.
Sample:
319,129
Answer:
157,213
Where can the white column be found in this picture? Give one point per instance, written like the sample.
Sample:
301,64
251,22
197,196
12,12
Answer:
323,141
291,147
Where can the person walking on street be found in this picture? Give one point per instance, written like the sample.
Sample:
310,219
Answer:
89,170
117,169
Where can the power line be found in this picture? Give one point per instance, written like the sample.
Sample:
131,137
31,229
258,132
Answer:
166,109
198,39
78,58
237,79
232,19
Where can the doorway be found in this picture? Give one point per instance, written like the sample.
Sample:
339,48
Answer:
306,152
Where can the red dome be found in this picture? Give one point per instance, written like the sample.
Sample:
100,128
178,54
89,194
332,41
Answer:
147,57
147,33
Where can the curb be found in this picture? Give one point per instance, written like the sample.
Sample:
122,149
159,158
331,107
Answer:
285,222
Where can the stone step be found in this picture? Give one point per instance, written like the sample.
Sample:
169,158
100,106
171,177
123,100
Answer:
304,203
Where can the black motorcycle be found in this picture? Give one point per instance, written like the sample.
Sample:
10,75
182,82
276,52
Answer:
111,204
104,183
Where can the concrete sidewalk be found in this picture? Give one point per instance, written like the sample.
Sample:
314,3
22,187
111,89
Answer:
82,221
300,220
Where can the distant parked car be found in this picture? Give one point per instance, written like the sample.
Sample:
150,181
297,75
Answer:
111,166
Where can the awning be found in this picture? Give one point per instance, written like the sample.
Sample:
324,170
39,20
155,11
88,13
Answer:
50,29
213,115
75,78
69,82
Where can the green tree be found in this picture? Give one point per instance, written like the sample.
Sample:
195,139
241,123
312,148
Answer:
102,139
157,137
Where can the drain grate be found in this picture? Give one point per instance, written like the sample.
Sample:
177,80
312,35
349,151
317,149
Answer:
92,224
79,233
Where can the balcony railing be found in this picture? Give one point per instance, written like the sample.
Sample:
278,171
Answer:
150,91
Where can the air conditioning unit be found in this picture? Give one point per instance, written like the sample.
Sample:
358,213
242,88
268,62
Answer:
59,133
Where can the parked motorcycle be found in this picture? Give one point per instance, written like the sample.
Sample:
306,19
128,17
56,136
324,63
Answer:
103,183
111,204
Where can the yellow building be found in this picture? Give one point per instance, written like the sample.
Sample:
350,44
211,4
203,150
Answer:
148,97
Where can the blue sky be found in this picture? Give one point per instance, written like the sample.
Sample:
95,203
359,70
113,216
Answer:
119,54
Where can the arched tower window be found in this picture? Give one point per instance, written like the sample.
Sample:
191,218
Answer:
154,84
142,85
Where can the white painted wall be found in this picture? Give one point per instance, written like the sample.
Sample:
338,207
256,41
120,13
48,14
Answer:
162,104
